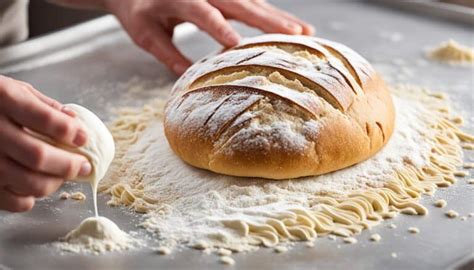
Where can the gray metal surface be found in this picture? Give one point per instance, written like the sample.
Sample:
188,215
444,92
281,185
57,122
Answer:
449,11
95,72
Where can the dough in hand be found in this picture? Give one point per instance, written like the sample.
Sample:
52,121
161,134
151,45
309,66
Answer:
100,146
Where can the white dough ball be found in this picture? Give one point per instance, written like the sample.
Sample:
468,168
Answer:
100,146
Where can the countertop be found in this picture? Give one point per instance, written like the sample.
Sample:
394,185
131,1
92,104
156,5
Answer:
95,64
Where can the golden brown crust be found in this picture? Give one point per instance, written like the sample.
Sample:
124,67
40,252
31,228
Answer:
242,113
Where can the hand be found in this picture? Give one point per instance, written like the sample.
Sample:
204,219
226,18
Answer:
29,167
150,23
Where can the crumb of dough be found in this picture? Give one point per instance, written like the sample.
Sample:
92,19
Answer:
413,230
309,244
459,121
463,218
78,196
461,173
452,214
470,215
409,211
440,96
224,252
470,181
375,237
468,165
349,240
440,203
64,195
394,255
467,146
163,250
332,237
207,251
226,260
452,52
392,226
201,245
280,249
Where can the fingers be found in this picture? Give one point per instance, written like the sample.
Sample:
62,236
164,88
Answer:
308,29
156,41
211,20
24,182
25,109
39,156
15,203
248,13
258,15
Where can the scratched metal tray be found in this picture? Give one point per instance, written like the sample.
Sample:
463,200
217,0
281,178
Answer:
93,63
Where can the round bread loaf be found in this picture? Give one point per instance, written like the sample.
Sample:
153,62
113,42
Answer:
279,107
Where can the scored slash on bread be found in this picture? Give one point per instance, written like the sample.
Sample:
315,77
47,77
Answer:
278,107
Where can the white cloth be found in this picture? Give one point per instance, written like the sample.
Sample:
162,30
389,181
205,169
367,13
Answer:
13,21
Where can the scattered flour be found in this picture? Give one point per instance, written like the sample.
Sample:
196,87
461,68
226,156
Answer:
226,260
375,237
453,53
64,196
79,196
224,252
440,203
97,235
281,249
201,245
468,165
452,214
163,250
461,173
349,240
189,204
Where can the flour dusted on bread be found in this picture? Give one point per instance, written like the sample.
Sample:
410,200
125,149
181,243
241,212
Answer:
279,107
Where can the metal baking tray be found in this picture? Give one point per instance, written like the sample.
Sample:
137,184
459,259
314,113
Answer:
94,64
435,8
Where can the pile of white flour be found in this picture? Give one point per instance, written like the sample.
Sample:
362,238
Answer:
190,204
97,235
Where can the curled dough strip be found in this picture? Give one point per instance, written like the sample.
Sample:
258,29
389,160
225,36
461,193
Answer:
361,210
